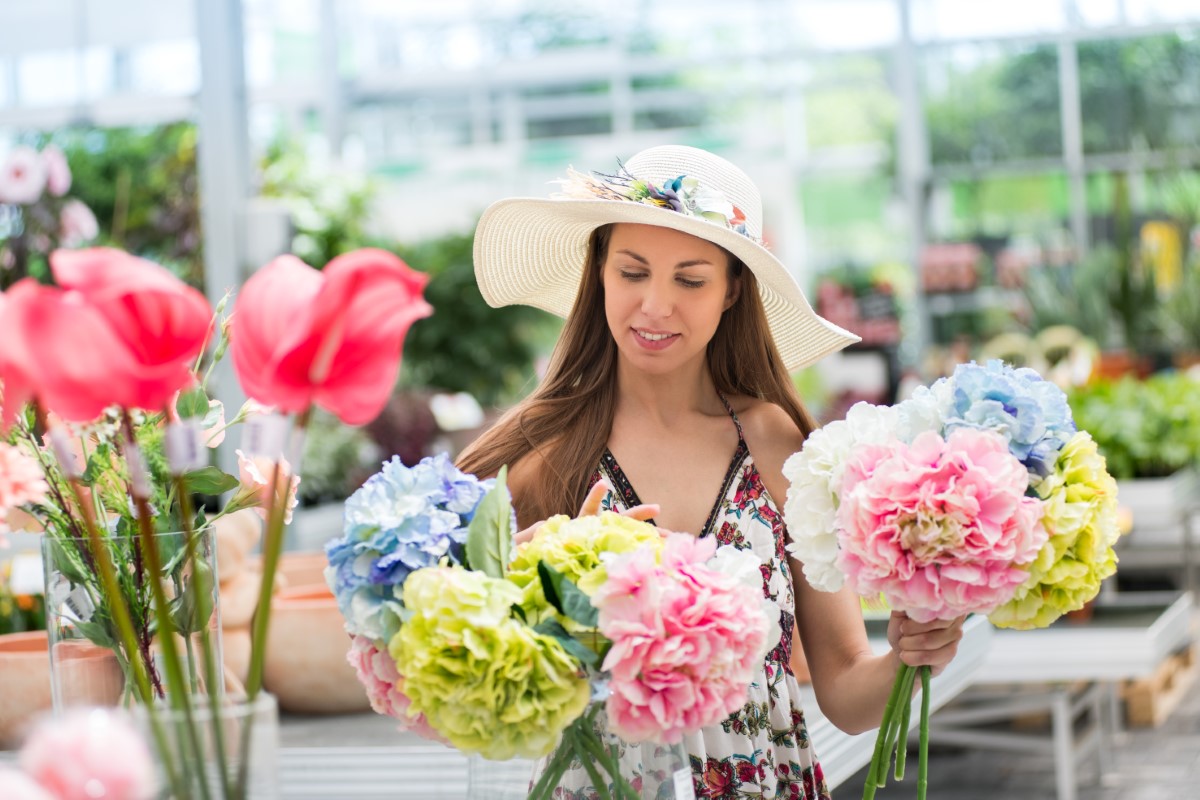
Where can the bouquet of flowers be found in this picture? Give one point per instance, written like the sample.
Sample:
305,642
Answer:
517,652
976,496
106,417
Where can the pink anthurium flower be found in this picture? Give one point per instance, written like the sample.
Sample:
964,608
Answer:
160,321
333,338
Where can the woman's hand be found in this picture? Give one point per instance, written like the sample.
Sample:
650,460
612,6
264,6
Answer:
591,506
918,644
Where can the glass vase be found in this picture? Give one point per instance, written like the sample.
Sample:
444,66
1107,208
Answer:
235,759
591,756
89,664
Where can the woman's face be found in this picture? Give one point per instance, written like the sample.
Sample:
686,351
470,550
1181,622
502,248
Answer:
664,293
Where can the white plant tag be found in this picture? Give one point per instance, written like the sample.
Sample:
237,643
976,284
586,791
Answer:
266,435
683,785
185,451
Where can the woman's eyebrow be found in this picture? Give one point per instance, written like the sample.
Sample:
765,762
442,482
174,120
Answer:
695,262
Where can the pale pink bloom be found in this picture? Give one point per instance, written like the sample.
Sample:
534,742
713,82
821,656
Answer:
939,527
23,177
686,640
21,481
58,172
376,670
88,754
255,474
76,224
16,785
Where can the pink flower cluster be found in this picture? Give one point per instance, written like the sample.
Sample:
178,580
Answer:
686,640
86,754
939,527
376,671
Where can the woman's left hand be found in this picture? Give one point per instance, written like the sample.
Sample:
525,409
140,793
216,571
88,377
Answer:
918,644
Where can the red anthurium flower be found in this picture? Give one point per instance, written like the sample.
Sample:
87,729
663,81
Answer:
58,348
333,338
15,388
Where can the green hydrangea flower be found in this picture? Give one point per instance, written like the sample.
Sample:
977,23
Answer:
573,547
1081,517
485,681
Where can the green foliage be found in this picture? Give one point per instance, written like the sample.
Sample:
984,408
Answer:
1145,429
143,186
490,533
466,345
337,459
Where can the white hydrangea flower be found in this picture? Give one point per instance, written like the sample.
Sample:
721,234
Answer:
814,475
924,411
746,567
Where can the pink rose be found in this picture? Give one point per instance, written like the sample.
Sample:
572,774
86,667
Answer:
377,672
87,754
940,527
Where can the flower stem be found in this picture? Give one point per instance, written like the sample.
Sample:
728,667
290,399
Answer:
876,775
923,761
905,721
598,782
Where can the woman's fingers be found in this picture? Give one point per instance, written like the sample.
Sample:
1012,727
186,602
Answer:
591,503
643,513
933,644
524,536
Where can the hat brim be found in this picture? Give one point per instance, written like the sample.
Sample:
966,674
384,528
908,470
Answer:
531,251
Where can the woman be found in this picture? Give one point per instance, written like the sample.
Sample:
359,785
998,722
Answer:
671,375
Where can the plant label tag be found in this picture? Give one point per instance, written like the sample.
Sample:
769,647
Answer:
184,449
266,435
71,464
683,785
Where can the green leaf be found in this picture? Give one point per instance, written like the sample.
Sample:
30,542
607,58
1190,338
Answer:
193,608
193,403
209,480
97,634
69,562
489,536
566,597
552,628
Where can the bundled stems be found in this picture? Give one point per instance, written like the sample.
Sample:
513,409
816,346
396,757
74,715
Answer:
892,737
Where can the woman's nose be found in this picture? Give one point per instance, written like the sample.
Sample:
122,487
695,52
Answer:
658,301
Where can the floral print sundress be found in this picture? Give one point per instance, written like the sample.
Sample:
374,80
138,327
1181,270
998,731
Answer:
761,751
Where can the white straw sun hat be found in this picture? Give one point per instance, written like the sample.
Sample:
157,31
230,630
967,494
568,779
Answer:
531,251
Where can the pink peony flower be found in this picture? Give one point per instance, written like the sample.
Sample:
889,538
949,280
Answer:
21,481
16,785
23,177
58,172
376,670
939,527
93,753
686,640
255,473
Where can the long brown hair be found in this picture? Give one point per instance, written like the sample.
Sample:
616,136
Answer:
568,418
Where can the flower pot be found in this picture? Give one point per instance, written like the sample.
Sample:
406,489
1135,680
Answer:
306,667
79,615
25,676
302,569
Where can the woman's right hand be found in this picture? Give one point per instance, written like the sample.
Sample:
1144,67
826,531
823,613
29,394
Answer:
591,506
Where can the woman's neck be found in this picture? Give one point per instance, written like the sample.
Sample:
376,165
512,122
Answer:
669,397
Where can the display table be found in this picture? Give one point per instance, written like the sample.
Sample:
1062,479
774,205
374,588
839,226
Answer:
417,769
1069,671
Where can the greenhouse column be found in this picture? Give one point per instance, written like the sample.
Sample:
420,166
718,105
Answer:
1072,131
224,171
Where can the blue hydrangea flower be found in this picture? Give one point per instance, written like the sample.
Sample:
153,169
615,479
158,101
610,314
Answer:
401,520
1030,412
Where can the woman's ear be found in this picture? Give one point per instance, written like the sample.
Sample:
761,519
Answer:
733,292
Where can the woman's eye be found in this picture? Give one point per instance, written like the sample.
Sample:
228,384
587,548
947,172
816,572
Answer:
632,276
689,283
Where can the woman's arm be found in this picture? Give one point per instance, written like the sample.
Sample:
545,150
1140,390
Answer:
851,683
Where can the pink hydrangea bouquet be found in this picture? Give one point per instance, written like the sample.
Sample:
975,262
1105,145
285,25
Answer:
976,496
597,625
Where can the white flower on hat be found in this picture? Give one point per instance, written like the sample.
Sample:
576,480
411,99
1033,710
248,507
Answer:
711,201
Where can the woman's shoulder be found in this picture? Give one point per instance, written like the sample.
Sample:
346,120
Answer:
770,432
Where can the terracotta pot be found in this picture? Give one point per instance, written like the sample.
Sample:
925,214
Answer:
306,667
25,676
302,569
88,675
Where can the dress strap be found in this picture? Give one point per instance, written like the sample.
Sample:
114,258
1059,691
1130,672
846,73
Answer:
737,422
